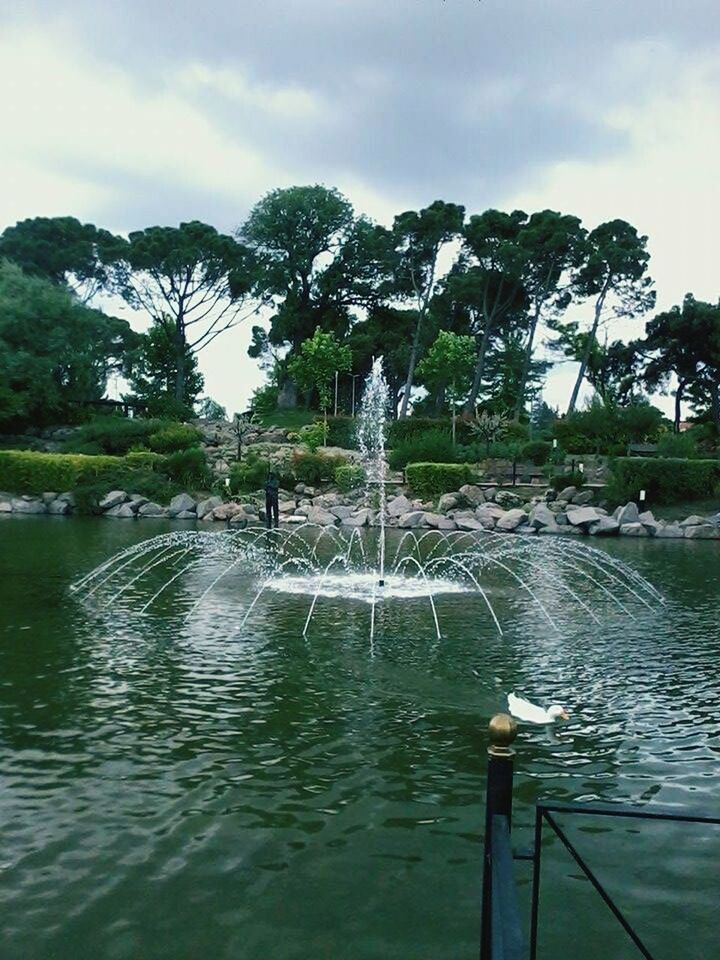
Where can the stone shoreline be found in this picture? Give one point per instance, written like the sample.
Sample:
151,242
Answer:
472,508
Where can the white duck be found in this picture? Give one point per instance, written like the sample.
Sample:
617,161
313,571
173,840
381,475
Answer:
524,710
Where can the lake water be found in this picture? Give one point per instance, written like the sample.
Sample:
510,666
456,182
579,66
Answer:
186,789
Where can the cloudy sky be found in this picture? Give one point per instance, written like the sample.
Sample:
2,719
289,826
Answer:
134,112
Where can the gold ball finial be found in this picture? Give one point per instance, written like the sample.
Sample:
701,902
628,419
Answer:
503,730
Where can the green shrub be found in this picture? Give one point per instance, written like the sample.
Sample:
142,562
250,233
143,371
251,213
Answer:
113,435
248,475
313,468
313,435
264,399
348,476
410,428
678,445
536,451
28,472
432,479
152,485
434,446
574,478
174,437
665,480
341,432
187,467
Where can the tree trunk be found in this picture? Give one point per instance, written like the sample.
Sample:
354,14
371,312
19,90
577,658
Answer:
287,396
411,368
479,370
678,401
180,369
715,404
586,355
520,402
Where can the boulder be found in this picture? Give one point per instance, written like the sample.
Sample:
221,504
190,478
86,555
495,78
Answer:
48,497
322,517
285,519
123,511
113,499
67,497
567,493
28,505
5,506
342,512
399,506
489,510
507,499
585,496
412,519
633,530
627,514
249,508
670,531
542,516
327,500
226,511
472,494
151,510
438,522
359,519
468,523
550,495
182,503
511,520
604,527
186,515
582,516
59,508
137,499
206,507
693,521
448,501
553,528
239,519
702,531
489,493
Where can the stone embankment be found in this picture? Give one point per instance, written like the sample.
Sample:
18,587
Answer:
472,508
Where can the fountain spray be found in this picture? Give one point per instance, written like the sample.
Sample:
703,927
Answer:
371,441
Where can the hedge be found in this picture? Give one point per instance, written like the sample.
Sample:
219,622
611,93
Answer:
666,480
432,479
22,471
349,476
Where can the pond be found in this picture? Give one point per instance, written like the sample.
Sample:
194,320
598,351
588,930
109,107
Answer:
181,788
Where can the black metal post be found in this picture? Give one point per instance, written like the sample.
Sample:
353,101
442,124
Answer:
536,883
503,731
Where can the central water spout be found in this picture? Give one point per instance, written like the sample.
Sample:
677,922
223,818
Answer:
371,441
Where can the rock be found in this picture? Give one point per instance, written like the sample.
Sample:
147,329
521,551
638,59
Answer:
438,522
59,508
322,517
186,515
359,519
412,519
604,527
469,523
653,526
693,521
5,506
585,496
151,509
490,493
556,506
582,516
327,500
472,494
239,519
123,511
511,520
28,505
553,528
542,516
627,514
182,503
399,506
286,506
113,499
671,531
342,512
138,500
287,519
249,508
567,493
48,498
507,499
633,530
489,510
645,516
702,531
226,511
550,495
67,497
562,521
448,501
207,506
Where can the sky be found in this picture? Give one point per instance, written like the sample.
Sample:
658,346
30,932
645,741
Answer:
132,113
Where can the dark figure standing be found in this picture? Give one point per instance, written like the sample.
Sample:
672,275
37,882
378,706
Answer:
272,512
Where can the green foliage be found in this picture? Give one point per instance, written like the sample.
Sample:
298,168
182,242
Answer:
573,478
24,471
209,409
249,475
188,468
412,427
163,373
432,447
348,476
607,429
314,435
313,468
173,437
536,451
678,445
263,400
448,365
341,432
315,366
429,480
664,480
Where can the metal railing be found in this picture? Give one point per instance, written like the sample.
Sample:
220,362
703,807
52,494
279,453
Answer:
501,933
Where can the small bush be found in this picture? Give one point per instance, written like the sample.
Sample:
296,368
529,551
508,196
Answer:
575,478
411,428
248,475
187,467
349,476
264,399
677,445
666,480
313,435
113,435
174,437
432,447
341,432
536,451
429,480
313,468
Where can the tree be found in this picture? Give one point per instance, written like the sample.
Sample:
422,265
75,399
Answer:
504,367
385,332
420,237
244,425
489,427
209,409
685,342
448,366
194,282
62,250
316,364
552,245
493,282
56,355
151,369
614,275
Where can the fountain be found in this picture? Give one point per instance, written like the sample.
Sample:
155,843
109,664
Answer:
347,566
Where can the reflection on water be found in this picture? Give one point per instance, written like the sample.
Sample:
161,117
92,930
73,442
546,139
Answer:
191,787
